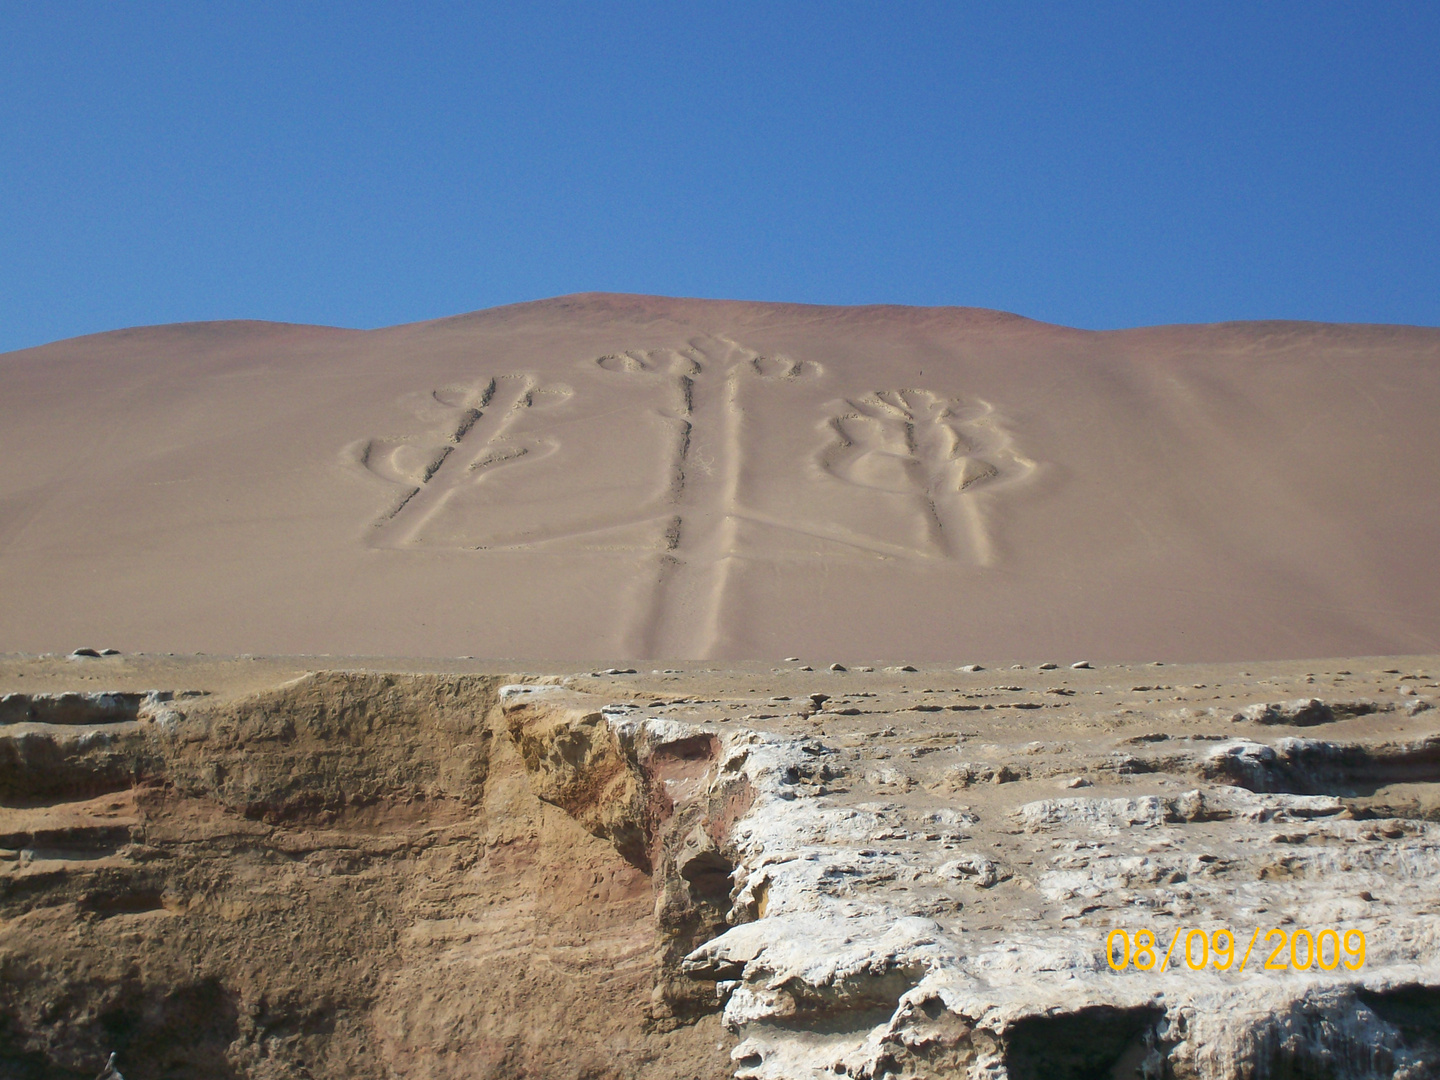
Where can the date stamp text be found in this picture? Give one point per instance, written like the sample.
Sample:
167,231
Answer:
1280,950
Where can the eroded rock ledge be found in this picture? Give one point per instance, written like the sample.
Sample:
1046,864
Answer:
383,875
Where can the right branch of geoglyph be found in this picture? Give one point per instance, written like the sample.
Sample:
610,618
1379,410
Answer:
941,453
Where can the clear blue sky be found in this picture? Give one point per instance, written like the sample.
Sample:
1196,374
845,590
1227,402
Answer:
1100,165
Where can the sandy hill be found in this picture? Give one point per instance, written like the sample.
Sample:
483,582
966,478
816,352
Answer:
628,477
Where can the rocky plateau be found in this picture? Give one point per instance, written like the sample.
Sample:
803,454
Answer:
270,867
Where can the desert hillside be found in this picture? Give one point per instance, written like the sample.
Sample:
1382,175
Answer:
624,477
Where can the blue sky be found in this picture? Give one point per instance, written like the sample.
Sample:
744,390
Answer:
1100,165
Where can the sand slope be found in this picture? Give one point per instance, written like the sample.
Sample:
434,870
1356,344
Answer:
623,477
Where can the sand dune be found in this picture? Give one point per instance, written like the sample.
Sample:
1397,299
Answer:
627,478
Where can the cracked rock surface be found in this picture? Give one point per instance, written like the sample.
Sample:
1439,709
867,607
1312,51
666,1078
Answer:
766,872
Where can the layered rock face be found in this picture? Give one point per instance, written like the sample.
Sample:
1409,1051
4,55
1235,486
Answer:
766,874
347,876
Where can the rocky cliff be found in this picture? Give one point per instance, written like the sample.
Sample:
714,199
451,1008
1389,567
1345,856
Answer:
767,874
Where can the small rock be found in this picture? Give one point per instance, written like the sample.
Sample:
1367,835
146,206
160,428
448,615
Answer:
78,653
898,669
1048,666
972,668
1302,712
109,652
792,659
837,667
889,776
1077,782
975,870
1080,665
965,774
865,668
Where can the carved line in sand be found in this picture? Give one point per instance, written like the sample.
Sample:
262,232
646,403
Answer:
710,387
941,455
471,438
933,460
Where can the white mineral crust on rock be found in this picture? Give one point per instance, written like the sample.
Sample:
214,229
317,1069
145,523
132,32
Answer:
831,966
